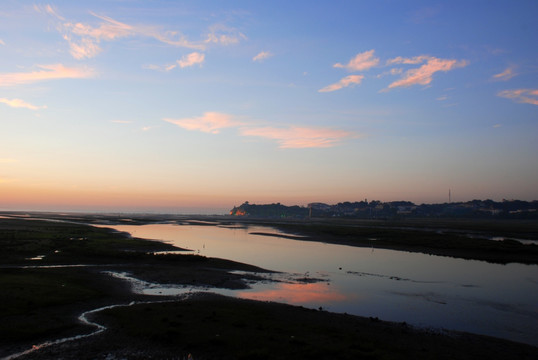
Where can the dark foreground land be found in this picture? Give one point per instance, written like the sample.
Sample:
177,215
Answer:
39,303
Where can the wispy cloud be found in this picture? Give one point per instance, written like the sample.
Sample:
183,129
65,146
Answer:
362,61
224,35
393,71
286,137
505,75
526,96
2,42
191,59
166,67
47,72
442,98
345,82
299,137
262,56
408,61
47,9
18,103
210,122
7,160
84,39
497,125
423,75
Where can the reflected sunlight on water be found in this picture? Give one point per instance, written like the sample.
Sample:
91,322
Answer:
297,294
424,290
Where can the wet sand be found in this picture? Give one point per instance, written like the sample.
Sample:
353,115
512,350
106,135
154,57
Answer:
207,326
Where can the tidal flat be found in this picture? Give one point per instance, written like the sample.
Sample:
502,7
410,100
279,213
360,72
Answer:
54,271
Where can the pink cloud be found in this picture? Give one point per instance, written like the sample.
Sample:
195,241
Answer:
84,48
190,60
166,67
48,72
210,122
362,61
526,96
423,74
47,9
109,30
84,39
505,75
299,137
262,56
408,61
290,137
18,103
345,82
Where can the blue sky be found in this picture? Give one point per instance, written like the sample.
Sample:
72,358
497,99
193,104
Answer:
201,105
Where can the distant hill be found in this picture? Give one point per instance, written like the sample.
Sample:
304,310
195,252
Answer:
512,209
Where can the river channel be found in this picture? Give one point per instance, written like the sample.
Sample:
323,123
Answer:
423,290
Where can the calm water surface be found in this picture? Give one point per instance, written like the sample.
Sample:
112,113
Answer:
423,290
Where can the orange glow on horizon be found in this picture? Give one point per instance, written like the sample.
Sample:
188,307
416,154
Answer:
28,198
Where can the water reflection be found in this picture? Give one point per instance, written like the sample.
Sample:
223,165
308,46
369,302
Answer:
298,294
424,290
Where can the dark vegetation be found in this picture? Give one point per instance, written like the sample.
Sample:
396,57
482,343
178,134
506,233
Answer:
475,209
463,239
494,240
38,303
214,327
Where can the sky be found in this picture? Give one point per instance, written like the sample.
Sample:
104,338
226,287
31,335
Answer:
197,106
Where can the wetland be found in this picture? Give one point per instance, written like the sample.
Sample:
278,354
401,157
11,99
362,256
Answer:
43,299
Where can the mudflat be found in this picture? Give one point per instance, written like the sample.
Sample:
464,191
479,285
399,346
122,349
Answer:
42,299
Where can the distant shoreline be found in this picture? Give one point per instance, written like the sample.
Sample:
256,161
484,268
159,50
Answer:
466,238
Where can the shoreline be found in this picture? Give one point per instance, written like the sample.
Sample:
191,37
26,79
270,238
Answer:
89,288
420,237
467,239
211,326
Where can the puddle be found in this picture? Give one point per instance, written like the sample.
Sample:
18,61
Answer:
38,257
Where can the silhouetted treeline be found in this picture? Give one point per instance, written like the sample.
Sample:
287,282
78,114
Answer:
511,209
270,211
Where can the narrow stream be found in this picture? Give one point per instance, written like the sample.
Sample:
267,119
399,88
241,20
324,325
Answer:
83,318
